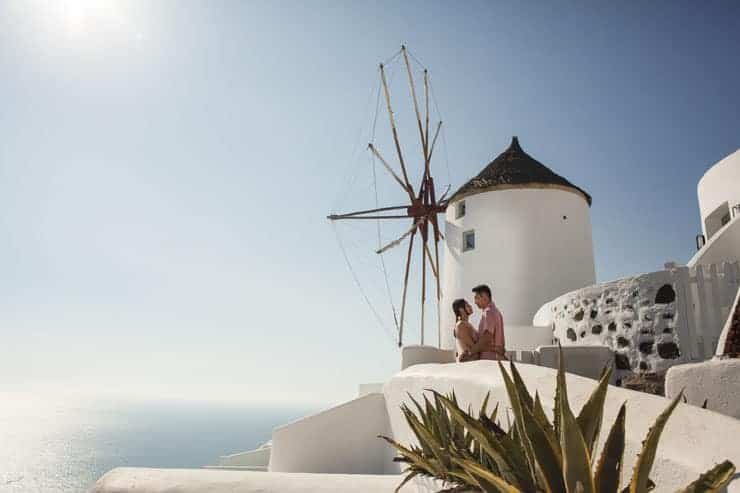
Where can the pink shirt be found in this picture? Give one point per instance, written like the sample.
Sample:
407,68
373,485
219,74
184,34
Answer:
492,321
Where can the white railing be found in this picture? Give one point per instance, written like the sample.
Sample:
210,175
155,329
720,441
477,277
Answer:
704,296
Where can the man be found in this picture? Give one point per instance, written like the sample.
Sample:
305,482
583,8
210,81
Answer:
491,344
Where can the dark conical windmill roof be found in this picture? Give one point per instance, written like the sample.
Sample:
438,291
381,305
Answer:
514,168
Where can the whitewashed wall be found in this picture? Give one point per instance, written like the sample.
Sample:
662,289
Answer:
342,439
651,321
719,185
531,245
724,246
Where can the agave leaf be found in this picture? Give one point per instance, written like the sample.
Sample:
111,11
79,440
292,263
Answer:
412,457
484,406
558,391
428,440
539,415
546,455
609,469
576,458
418,407
650,487
494,414
443,422
518,409
592,412
712,480
524,396
411,420
408,478
498,483
500,455
638,483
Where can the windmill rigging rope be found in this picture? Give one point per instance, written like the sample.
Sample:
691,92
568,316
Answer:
359,286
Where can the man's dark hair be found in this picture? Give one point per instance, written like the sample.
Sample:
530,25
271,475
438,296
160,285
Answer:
482,288
456,306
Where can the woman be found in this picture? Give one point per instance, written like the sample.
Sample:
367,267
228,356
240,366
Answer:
464,332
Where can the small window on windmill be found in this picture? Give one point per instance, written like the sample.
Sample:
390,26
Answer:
468,240
460,209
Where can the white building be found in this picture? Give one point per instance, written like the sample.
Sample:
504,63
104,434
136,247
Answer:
521,229
719,194
719,207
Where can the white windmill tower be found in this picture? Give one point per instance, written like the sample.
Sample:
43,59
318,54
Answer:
523,230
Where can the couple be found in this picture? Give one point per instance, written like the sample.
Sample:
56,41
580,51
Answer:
488,341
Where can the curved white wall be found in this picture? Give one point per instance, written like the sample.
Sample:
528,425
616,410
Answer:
524,250
719,185
724,246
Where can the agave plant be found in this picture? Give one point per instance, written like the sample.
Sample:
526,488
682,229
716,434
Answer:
469,453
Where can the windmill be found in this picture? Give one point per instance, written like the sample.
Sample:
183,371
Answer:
423,204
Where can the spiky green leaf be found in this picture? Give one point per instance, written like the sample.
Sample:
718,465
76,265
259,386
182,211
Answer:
712,480
524,395
576,458
592,412
501,486
641,471
609,470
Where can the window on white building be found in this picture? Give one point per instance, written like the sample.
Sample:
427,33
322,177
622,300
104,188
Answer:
468,240
460,209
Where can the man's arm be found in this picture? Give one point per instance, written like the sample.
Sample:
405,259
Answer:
484,341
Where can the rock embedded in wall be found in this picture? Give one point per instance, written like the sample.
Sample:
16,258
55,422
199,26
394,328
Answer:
636,317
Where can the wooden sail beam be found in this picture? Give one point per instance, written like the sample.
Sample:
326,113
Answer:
434,140
398,241
431,261
388,167
416,104
352,215
423,279
395,216
426,103
444,195
439,295
405,287
387,95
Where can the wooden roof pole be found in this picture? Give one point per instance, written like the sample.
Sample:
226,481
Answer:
387,95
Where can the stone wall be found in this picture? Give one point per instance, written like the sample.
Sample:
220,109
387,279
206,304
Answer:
636,317
652,321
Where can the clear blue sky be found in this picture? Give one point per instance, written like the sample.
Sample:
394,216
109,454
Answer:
166,167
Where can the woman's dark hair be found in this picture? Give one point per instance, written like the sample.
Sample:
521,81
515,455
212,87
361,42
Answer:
456,305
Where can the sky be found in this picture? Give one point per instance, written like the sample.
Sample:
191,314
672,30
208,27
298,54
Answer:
166,169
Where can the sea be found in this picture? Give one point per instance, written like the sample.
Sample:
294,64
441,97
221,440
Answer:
64,445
